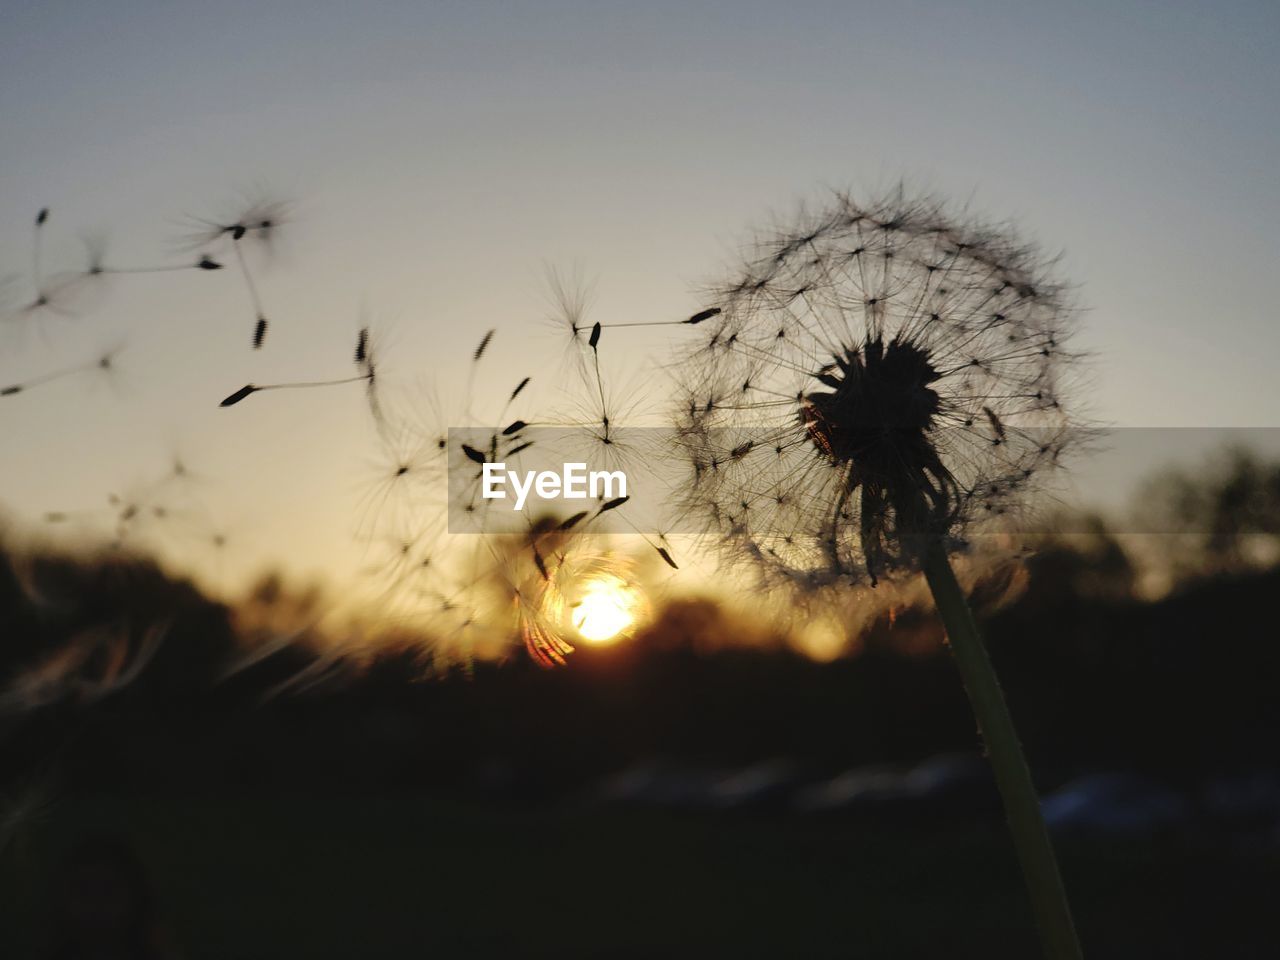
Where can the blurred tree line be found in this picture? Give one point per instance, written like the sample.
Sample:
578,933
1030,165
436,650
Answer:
112,672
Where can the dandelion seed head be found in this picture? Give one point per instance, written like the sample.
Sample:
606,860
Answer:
878,377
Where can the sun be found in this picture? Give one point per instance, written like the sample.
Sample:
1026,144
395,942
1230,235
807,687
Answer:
605,610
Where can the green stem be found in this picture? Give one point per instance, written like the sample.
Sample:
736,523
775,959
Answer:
1013,777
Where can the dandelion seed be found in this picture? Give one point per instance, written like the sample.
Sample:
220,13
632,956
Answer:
97,265
570,522
996,425
238,395
104,362
369,351
258,222
296,385
394,497
571,298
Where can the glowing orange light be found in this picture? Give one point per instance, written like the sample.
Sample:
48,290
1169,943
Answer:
605,609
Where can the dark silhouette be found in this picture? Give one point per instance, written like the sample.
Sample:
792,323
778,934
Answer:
101,906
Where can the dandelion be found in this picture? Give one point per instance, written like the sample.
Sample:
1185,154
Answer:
257,222
877,380
512,573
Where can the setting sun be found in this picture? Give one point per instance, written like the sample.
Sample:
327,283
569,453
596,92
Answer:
605,610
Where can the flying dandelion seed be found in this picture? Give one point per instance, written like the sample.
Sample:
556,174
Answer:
62,295
369,351
571,297
365,363
257,222
396,498
103,364
97,265
594,426
601,410
879,379
66,295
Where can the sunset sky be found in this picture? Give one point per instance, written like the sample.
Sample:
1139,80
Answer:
439,157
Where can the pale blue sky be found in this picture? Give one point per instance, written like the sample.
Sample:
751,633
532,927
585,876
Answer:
441,154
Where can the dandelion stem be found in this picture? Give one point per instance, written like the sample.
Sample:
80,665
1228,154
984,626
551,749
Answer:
167,268
36,242
1013,776
308,384
15,388
260,319
642,323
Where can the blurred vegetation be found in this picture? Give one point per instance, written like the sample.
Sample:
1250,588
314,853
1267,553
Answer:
1226,515
128,700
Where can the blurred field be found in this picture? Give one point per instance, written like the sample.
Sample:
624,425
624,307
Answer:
332,874
674,795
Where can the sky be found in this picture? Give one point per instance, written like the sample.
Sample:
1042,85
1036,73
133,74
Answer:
438,157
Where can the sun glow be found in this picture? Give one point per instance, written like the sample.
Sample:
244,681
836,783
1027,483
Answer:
605,610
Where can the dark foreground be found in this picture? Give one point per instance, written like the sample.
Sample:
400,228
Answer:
248,874
671,796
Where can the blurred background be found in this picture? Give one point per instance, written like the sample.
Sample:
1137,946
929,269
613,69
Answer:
221,736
